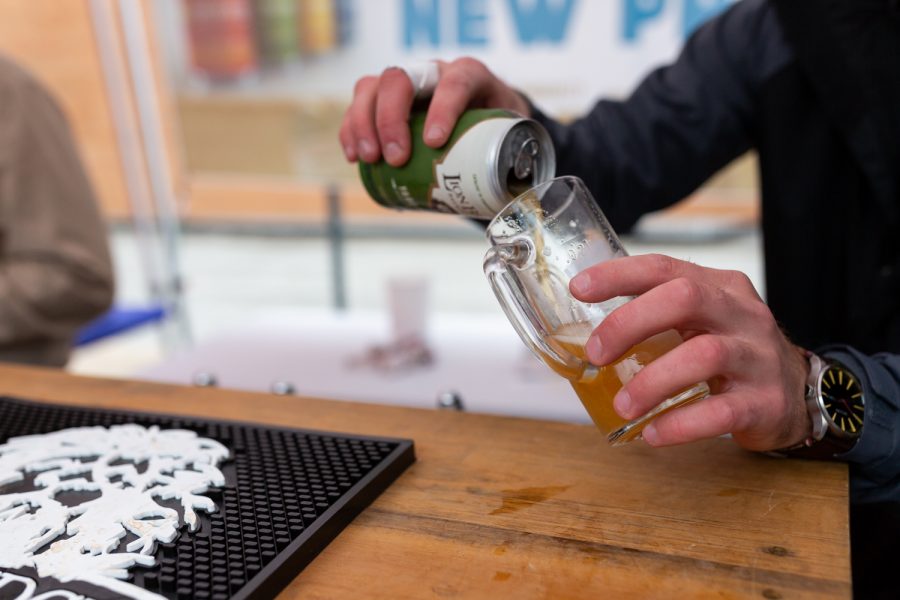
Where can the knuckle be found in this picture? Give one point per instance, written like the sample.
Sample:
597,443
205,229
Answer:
674,428
385,121
740,281
720,297
361,124
363,84
456,83
460,72
468,63
711,351
392,77
723,295
725,415
359,117
612,326
644,388
664,265
687,293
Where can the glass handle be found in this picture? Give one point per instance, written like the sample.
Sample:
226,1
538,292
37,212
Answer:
519,311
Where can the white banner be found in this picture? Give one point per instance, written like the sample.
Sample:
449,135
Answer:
565,53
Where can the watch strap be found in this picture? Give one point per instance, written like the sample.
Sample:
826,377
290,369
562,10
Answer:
825,449
822,444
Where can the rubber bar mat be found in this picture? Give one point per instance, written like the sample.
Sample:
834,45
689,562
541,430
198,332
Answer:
117,504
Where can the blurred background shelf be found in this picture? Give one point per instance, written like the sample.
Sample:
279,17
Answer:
217,186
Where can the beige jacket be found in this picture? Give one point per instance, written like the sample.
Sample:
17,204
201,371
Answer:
55,269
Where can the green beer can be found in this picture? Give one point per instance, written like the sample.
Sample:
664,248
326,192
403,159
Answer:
492,156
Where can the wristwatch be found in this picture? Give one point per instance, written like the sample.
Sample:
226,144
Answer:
836,405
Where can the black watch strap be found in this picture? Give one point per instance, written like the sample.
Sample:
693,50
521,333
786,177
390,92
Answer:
825,449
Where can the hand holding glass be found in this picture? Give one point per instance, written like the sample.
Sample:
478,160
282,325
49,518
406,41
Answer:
539,241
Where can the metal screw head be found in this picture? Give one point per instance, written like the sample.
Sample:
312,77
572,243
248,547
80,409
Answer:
205,379
283,388
450,400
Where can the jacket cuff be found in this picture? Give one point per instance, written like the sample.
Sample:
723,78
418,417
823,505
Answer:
874,464
876,442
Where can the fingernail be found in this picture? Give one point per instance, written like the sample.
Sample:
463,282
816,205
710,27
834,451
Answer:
650,435
580,284
593,349
392,152
622,403
366,149
435,133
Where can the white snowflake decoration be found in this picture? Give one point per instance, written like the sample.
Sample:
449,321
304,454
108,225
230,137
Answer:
179,465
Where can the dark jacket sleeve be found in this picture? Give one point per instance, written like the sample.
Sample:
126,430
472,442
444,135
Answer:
875,460
684,122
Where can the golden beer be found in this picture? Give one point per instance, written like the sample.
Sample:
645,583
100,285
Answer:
539,242
596,388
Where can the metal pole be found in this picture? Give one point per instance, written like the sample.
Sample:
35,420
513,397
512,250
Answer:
147,234
137,51
336,240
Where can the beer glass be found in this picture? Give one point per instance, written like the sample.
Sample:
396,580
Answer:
539,241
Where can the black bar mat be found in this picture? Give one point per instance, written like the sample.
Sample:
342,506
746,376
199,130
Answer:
284,495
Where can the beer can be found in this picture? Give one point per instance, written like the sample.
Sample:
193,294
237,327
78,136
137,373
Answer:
318,26
276,23
492,156
344,15
221,37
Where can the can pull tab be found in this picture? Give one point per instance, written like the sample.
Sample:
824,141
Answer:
523,166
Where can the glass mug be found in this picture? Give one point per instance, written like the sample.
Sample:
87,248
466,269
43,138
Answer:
539,241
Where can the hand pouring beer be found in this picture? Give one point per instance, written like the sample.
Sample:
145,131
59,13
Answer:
538,243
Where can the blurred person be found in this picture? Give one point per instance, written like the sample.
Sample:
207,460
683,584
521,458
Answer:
55,268
814,88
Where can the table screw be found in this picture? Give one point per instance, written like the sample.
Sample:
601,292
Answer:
283,388
450,400
205,379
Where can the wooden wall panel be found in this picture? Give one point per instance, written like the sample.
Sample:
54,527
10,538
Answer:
55,40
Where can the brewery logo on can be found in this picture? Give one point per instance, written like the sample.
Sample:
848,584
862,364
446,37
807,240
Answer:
491,157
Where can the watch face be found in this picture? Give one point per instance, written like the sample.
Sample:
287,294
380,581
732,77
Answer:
843,399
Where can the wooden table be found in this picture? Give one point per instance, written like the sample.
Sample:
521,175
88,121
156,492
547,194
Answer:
515,508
